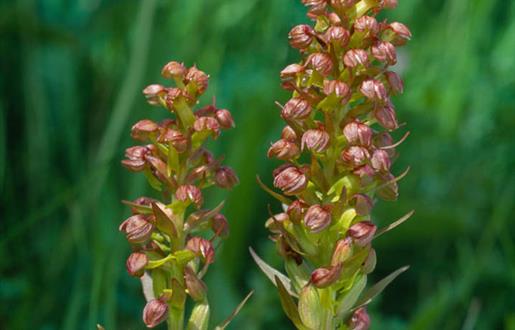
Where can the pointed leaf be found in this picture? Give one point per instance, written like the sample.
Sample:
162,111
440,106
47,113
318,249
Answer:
379,287
235,312
289,306
206,216
277,196
271,273
143,209
394,224
349,300
163,221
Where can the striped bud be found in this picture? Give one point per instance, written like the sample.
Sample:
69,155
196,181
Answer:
395,82
380,160
296,108
137,228
374,90
401,33
175,137
317,218
366,24
355,57
224,118
207,124
136,263
143,129
321,62
174,70
284,150
153,93
358,133
155,312
289,134
226,178
384,51
301,36
315,140
202,248
190,193
324,277
362,232
290,180
337,35
355,156
386,117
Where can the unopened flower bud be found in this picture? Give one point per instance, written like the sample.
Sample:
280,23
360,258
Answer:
362,232
225,177
220,226
390,190
317,218
317,7
324,277
155,312
355,156
386,117
370,263
176,138
384,139
388,4
365,172
355,57
172,95
174,70
224,118
342,251
342,4
339,88
137,228
384,51
337,35
380,160
315,140
202,248
284,150
143,129
207,124
134,165
395,82
136,264
363,204
374,90
401,33
190,193
366,24
296,108
290,180
291,71
301,36
197,289
289,134
153,93
358,133
199,78
360,320
296,210
274,223
322,63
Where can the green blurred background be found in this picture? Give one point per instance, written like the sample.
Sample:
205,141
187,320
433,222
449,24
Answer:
70,88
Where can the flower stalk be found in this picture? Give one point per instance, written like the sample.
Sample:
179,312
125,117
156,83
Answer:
338,154
174,238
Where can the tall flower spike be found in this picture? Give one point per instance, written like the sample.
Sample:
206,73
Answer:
338,119
165,234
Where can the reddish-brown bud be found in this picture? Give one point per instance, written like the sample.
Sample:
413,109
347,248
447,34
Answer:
136,158
224,118
374,90
366,24
390,190
175,137
386,117
136,264
199,78
337,35
172,95
290,180
315,140
395,82
207,124
296,210
324,277
342,251
339,88
289,134
362,232
174,70
388,4
358,133
225,177
143,129
190,193
363,204
296,108
317,218
355,57
401,33
384,51
155,312
197,289
301,36
317,7
342,4
202,248
284,150
274,223
137,228
220,226
321,62
355,156
384,139
153,93
291,71
360,320
380,160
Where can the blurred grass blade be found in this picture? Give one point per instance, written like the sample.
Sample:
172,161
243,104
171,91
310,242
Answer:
235,312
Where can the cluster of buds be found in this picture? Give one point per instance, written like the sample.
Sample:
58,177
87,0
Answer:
173,240
338,154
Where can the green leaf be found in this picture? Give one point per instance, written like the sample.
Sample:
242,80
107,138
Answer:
394,224
199,319
377,288
173,159
142,209
272,193
272,273
310,309
163,221
235,312
289,306
159,281
350,298
152,181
